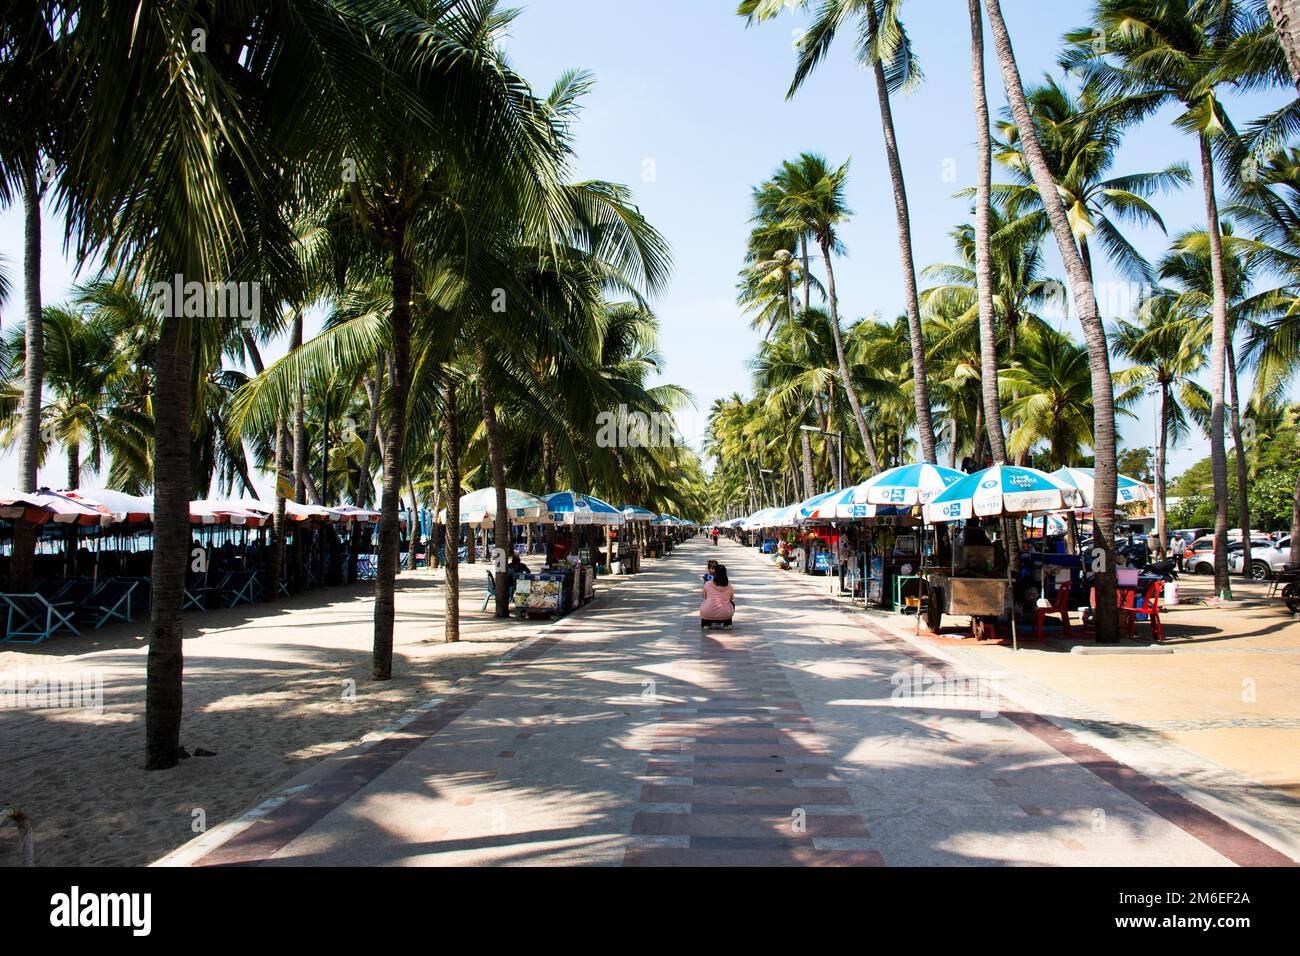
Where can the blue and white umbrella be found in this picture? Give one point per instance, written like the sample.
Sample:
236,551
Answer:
569,507
633,513
1128,490
810,510
1001,490
907,485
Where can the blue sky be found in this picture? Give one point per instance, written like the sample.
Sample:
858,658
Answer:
689,109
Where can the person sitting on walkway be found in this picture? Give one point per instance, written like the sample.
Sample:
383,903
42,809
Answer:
719,604
517,565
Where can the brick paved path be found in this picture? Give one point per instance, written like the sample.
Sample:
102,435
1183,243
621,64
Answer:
626,735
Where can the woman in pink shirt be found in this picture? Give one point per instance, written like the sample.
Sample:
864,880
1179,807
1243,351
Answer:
719,602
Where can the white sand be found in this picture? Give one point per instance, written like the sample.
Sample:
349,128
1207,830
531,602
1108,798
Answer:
264,689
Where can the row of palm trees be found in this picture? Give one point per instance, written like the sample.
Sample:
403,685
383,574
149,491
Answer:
375,162
1057,143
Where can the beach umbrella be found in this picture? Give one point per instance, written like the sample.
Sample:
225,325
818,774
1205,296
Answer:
1001,490
38,507
1055,524
130,509
633,513
907,485
1128,490
480,508
570,507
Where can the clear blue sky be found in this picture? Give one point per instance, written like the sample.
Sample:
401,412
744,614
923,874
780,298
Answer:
689,109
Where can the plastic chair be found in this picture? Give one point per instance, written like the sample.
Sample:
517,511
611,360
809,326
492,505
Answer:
1150,607
1060,605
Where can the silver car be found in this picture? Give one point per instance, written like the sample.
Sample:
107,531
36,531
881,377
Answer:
1266,560
1199,557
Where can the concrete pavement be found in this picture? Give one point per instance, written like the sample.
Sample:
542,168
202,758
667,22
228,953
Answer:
624,735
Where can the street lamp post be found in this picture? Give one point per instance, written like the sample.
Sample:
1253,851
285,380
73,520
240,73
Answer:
839,444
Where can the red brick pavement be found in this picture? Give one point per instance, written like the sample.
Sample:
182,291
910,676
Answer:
761,789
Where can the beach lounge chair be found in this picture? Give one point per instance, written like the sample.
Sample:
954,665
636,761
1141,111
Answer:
31,618
112,602
196,592
240,587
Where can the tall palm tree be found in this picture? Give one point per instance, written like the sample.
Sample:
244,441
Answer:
983,242
1286,21
812,201
884,47
1167,346
1158,52
1085,301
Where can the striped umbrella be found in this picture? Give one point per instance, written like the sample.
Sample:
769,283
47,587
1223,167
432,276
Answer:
1128,490
907,485
1001,490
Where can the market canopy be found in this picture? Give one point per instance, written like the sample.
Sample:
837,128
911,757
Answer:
1001,490
570,507
1128,490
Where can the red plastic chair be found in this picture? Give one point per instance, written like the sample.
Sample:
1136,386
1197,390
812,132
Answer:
1151,608
1061,606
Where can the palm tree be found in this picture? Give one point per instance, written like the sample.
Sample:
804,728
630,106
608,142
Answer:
1053,381
883,45
1156,53
1188,264
1167,347
1081,140
983,243
812,201
1085,301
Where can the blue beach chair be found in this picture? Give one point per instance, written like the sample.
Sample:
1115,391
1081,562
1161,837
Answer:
32,619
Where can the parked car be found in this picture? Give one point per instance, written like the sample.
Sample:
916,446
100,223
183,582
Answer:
1199,558
1265,561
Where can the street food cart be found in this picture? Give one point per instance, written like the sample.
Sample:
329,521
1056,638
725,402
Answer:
974,586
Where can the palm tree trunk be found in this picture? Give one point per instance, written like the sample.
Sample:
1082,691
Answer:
983,243
394,445
281,530
299,421
1295,527
451,499
1243,499
807,275
1218,358
1286,21
502,524
809,488
74,464
171,539
921,388
24,546
844,364
1094,332
365,487
548,486
34,372
1162,446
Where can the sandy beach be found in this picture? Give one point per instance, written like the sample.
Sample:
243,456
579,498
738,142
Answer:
268,689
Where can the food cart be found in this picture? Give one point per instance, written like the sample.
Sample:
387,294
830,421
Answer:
974,585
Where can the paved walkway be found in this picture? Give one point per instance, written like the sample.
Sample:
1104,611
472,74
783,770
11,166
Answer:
625,735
